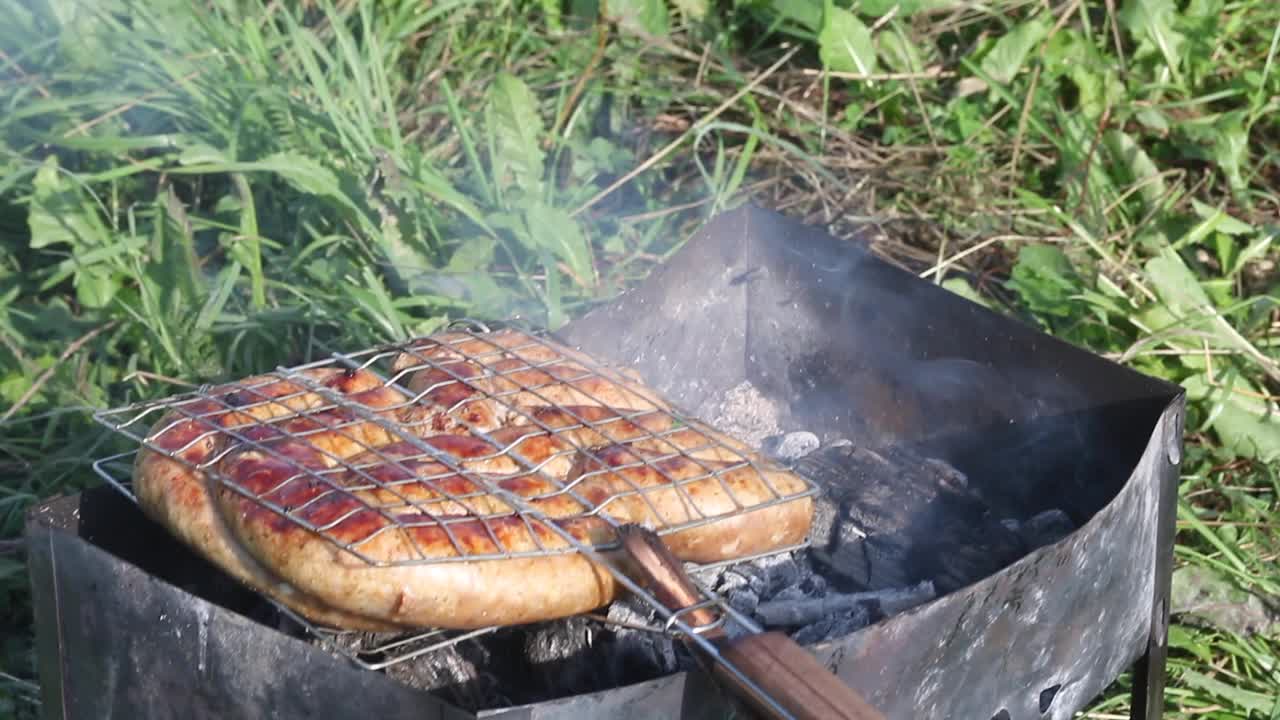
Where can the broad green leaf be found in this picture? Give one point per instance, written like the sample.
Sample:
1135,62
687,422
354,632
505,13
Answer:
1153,119
1184,638
1201,231
15,385
248,246
1176,285
845,43
1135,166
516,128
176,264
1231,147
807,13
373,300
1098,85
217,300
646,16
1045,280
60,214
962,288
553,230
1223,222
1009,53
1246,425
467,277
898,51
95,286
551,11
1151,23
304,173
475,253
405,259
1256,249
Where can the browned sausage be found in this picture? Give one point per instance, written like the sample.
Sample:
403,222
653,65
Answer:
177,496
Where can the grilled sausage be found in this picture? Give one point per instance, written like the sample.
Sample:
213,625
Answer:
455,508
399,522
409,508
174,493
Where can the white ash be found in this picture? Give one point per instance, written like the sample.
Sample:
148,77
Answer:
744,413
791,446
636,649
459,673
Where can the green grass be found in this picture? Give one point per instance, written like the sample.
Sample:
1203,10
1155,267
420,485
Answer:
193,191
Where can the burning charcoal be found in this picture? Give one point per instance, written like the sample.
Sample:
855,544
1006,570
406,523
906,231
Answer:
967,554
893,602
1046,528
947,475
889,490
790,593
769,575
732,580
558,653
840,625
815,633
744,600
804,611
791,446
814,585
633,653
873,562
454,671
796,609
825,521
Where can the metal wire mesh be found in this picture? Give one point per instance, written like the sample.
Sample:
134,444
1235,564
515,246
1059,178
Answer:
462,431
419,414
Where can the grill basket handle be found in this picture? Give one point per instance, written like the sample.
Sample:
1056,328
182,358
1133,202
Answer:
788,674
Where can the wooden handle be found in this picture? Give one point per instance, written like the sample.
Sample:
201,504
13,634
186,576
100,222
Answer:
788,674
792,677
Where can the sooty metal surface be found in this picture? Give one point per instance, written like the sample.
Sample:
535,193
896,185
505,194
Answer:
858,349
130,625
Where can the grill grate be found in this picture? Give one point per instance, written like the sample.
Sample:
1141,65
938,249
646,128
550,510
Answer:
468,432
465,434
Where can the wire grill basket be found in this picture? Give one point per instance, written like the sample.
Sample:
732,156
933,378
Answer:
466,432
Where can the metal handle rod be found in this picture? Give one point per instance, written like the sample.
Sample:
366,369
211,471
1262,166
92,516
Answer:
785,679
